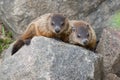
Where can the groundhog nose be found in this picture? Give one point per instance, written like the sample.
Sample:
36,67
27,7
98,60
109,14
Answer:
85,41
57,30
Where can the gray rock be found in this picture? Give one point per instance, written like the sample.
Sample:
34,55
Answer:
16,14
109,48
100,16
49,59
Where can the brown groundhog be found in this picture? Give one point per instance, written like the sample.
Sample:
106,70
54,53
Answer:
82,34
49,25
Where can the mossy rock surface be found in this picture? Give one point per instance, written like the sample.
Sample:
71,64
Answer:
114,21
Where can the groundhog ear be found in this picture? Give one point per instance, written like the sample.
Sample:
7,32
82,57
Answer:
66,17
88,26
50,16
73,29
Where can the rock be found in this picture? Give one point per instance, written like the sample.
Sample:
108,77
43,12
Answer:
100,16
109,48
49,59
111,76
17,14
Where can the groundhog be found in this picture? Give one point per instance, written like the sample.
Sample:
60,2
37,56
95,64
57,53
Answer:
82,34
52,25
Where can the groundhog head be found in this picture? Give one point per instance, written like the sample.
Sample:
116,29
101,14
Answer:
80,33
58,23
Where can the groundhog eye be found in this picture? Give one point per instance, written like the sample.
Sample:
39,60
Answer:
52,23
87,34
62,24
78,35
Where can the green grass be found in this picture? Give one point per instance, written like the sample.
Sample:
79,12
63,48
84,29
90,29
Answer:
114,21
6,39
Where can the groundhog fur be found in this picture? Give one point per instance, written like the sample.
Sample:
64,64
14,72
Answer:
82,34
52,25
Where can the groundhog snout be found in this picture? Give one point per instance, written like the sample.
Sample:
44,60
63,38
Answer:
85,41
57,29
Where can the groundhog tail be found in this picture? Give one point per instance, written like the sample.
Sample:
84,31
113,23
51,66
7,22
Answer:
17,46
